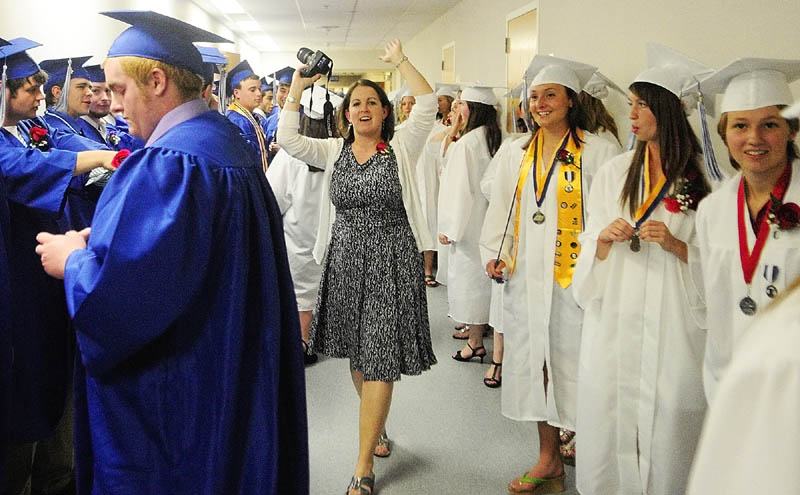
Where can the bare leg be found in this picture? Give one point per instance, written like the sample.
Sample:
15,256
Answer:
549,464
475,340
497,357
305,325
376,398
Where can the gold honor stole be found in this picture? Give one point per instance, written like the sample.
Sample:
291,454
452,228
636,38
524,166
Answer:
569,195
262,139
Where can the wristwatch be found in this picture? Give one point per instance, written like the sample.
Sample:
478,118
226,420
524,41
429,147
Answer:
291,99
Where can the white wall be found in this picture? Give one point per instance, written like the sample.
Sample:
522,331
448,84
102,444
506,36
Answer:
611,34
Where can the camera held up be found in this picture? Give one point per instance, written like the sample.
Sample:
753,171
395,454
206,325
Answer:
318,62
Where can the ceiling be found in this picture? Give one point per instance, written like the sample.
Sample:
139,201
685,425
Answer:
327,24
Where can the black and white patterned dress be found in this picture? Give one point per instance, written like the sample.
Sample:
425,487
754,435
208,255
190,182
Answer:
371,306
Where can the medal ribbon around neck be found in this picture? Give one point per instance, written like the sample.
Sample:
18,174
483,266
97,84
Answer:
570,216
540,186
750,259
236,107
654,196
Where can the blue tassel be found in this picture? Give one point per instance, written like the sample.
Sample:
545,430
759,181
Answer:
708,151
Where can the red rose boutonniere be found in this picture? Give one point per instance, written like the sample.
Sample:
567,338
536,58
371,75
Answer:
384,148
119,158
39,138
785,215
565,156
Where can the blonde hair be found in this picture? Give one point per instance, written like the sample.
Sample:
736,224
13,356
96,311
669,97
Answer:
189,84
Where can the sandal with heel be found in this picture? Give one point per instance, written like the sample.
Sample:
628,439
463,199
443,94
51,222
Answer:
476,352
383,441
365,485
496,379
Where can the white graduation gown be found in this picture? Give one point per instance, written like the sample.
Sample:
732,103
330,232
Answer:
749,441
718,237
428,177
541,322
297,191
496,307
462,207
640,394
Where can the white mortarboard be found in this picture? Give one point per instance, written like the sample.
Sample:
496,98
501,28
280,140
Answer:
315,107
751,83
792,112
517,91
480,93
545,69
445,89
598,86
680,75
398,94
674,72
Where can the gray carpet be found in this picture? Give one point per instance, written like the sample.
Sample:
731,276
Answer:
447,431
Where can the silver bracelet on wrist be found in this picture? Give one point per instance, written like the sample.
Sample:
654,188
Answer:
404,59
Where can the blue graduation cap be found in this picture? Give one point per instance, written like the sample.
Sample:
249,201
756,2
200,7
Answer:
239,73
266,84
284,76
158,37
212,57
15,64
57,70
18,63
96,73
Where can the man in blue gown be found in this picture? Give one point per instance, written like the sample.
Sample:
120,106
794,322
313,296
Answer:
182,300
35,382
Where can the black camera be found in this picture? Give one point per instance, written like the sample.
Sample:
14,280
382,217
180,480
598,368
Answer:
318,62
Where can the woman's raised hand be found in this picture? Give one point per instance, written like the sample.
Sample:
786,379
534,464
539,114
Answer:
301,81
393,52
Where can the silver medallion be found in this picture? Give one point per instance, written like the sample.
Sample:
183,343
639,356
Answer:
538,217
748,306
569,188
636,245
772,291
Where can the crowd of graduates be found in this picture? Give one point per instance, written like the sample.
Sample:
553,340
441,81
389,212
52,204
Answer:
179,240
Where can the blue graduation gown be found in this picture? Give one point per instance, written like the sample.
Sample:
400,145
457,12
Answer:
125,142
246,130
272,129
81,199
36,183
187,326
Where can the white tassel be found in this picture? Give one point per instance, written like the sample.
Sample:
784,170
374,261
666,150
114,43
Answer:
631,142
712,168
3,95
63,101
222,89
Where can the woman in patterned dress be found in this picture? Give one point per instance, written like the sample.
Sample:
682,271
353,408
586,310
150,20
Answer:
372,305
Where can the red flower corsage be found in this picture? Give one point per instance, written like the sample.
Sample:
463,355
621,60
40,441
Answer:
384,148
39,138
565,156
672,205
119,158
785,215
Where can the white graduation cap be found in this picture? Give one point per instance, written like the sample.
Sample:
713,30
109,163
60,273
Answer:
398,94
751,83
517,91
792,112
480,93
674,72
545,69
598,86
446,89
314,106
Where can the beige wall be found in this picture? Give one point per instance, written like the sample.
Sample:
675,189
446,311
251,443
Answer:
611,35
